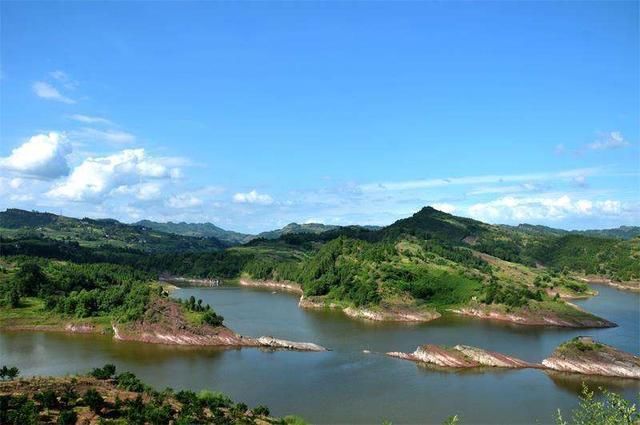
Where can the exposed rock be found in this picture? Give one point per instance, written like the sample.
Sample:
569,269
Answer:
461,356
580,355
574,318
80,328
164,323
492,358
586,356
283,286
271,342
387,315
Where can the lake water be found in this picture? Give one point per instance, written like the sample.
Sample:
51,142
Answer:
346,385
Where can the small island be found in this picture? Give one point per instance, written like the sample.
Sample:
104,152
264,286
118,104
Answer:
581,355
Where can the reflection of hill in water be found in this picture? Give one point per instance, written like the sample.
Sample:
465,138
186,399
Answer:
572,382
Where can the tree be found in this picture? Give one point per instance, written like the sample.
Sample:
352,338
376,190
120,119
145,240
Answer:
9,373
612,409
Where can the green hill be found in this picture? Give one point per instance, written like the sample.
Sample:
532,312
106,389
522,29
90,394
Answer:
95,233
314,228
198,230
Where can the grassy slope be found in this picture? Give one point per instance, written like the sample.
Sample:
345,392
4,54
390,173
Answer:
97,233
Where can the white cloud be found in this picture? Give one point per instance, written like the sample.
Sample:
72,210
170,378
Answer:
509,209
444,207
144,191
88,119
185,200
64,79
613,140
252,197
96,177
112,137
47,91
431,183
42,156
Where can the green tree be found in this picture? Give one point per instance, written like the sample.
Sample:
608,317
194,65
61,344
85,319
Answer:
611,409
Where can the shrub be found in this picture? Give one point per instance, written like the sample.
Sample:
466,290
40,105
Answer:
67,417
94,400
612,409
130,382
105,372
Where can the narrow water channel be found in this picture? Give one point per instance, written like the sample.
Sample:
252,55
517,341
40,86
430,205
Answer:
347,385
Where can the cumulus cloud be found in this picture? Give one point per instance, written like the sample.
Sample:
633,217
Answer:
99,176
185,200
88,119
613,140
252,197
42,156
509,208
47,91
444,207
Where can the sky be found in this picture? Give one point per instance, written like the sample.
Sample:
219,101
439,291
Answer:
254,115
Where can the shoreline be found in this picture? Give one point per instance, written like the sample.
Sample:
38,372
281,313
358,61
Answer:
632,286
580,355
416,316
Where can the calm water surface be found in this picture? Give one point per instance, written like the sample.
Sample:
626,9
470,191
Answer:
346,385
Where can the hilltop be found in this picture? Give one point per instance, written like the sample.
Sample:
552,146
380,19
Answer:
417,268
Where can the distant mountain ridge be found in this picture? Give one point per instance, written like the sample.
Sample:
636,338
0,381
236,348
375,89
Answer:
198,230
622,232
97,232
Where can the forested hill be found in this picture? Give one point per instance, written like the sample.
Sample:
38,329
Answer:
98,233
198,230
622,232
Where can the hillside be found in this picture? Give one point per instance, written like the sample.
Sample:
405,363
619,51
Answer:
421,266
315,228
96,233
206,230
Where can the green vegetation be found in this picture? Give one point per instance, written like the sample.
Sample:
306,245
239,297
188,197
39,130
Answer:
431,259
123,399
609,409
9,373
206,314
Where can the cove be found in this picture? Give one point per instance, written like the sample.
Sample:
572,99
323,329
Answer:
346,385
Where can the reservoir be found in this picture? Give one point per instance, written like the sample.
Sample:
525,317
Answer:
347,385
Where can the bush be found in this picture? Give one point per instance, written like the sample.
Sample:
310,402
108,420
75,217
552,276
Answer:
105,372
94,400
261,410
67,417
130,382
211,318
612,409
47,399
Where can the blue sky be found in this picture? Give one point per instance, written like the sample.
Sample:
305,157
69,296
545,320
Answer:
253,115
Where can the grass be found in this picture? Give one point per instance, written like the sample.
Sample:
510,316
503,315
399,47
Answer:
32,312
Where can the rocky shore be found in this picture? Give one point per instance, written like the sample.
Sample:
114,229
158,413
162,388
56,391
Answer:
381,315
586,356
461,356
581,355
280,286
633,285
540,314
392,314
